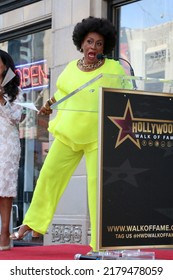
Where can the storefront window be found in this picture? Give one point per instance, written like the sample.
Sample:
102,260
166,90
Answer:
32,57
7,5
147,38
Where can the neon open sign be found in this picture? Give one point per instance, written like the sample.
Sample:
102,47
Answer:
33,75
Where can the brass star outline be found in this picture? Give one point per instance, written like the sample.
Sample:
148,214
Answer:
125,126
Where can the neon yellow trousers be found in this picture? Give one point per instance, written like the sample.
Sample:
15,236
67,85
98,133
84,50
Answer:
55,174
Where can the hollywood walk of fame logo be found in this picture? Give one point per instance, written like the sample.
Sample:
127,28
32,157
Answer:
135,129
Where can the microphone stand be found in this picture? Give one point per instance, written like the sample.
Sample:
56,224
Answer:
101,56
131,71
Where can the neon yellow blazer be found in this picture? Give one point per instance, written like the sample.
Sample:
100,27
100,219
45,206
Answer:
77,117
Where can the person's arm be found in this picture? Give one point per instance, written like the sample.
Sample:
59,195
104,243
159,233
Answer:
45,109
2,99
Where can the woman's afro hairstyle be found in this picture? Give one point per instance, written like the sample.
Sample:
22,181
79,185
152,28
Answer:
99,25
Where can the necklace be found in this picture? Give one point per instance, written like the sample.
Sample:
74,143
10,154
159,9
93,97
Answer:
84,66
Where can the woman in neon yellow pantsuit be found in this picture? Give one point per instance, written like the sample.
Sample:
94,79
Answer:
75,127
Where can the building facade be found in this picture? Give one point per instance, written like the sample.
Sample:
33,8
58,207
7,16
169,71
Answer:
38,35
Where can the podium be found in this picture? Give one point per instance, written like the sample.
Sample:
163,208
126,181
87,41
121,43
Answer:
135,194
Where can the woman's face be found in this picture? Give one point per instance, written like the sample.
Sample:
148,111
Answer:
92,45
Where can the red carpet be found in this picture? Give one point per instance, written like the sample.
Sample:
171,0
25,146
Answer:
53,252
63,252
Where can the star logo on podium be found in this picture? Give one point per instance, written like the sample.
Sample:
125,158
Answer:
125,126
125,172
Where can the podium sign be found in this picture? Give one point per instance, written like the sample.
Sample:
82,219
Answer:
135,170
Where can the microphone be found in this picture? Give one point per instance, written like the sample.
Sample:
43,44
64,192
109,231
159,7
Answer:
102,56
86,257
99,256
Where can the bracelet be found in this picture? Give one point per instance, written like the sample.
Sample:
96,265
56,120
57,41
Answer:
47,106
50,102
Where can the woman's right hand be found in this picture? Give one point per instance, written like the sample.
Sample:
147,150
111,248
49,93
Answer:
45,111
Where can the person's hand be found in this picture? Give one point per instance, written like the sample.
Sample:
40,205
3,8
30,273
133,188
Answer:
45,110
